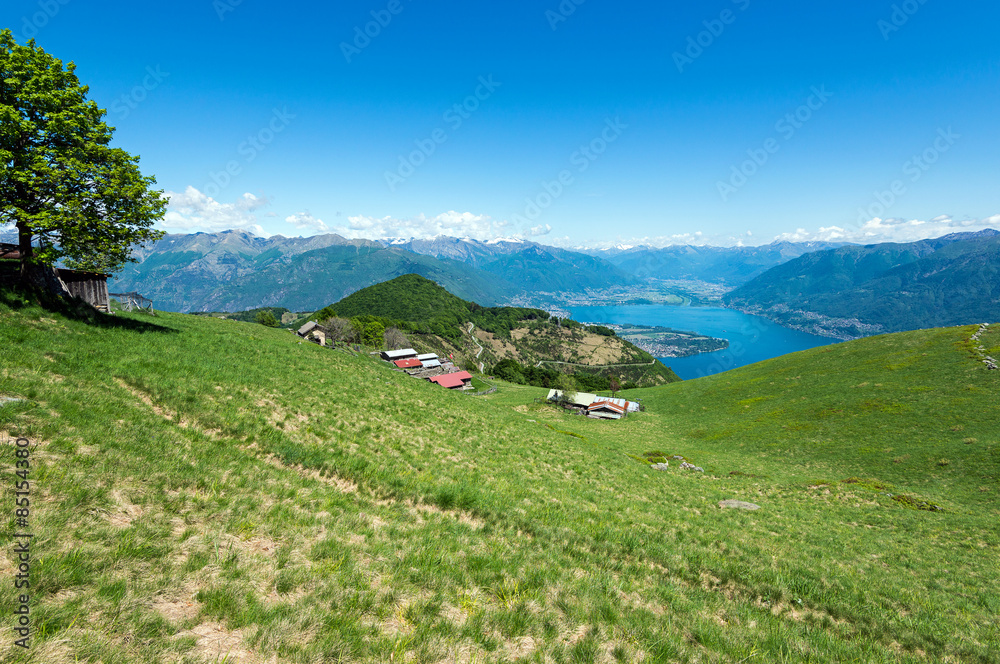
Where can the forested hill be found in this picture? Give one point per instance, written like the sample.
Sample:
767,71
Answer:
415,299
525,338
857,291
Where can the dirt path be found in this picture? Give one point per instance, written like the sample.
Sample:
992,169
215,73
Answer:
472,326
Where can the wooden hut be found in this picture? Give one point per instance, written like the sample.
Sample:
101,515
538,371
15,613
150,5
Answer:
91,287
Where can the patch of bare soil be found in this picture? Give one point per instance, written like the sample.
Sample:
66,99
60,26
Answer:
216,643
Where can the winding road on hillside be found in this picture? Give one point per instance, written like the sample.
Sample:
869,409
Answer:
597,366
472,326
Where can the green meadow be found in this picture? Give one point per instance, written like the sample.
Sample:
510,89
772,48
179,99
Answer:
205,490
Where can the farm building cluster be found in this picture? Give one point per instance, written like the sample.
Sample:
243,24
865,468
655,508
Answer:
429,367
593,406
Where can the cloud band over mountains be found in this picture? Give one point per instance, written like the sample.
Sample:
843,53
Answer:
193,211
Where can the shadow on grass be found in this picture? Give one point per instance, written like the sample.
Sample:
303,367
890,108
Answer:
17,297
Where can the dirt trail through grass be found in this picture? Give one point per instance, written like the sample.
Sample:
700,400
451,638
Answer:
472,326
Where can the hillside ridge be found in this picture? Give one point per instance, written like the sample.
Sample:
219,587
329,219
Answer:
521,339
853,291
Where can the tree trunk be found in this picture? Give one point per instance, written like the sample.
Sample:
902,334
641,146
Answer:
27,253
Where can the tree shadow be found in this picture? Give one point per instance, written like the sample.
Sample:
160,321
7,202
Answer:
75,309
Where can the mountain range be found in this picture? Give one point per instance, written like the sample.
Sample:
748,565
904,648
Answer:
730,266
838,290
856,291
236,270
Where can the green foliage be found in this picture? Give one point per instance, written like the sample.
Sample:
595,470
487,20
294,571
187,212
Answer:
267,319
369,331
510,371
592,382
514,372
916,504
871,485
416,304
61,183
250,315
601,330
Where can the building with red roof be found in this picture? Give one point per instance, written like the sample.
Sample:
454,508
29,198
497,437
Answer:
453,381
606,409
412,363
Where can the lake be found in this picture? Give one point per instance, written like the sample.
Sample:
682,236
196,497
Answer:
751,338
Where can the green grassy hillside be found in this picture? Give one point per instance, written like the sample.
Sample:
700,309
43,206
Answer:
206,490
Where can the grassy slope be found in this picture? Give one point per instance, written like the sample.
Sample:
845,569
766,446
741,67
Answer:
206,486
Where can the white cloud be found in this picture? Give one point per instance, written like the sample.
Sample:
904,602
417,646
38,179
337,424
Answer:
871,232
892,230
192,211
538,231
304,220
455,224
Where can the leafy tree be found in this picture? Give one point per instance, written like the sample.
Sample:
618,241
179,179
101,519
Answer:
567,386
70,195
369,333
510,371
615,386
601,330
267,319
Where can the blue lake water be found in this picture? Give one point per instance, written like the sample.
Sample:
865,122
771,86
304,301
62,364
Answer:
751,338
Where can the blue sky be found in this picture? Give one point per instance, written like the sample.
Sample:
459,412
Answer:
582,122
